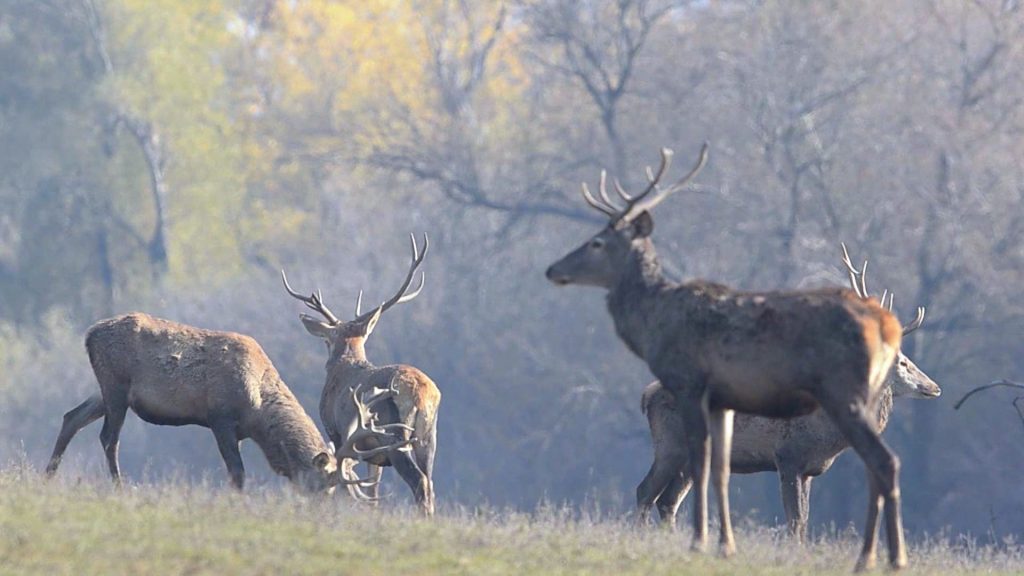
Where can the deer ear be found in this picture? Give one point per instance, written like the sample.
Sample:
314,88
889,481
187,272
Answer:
316,327
643,225
321,461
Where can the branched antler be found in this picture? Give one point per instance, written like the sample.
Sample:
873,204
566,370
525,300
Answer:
365,427
401,296
314,301
858,282
644,201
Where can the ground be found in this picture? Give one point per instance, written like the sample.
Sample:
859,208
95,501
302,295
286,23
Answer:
75,526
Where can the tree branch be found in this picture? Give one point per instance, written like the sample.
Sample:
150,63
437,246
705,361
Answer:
1006,383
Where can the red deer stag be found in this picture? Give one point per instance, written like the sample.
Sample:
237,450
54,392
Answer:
413,397
798,449
173,374
777,354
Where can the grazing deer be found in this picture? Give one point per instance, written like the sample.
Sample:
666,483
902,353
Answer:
777,354
174,374
798,449
412,402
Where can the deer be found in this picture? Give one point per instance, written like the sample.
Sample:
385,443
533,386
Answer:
780,354
798,449
173,374
412,402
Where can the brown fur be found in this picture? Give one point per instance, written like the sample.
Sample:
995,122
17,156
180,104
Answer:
174,374
798,449
779,354
415,404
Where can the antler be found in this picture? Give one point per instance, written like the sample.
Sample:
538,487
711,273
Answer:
916,322
401,296
365,426
314,301
644,201
861,289
858,281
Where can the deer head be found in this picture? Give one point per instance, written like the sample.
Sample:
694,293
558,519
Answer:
602,260
905,378
348,338
322,475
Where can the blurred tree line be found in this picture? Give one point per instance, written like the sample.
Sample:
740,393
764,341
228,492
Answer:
173,156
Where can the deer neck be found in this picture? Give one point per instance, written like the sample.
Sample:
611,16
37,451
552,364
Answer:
632,300
285,433
352,352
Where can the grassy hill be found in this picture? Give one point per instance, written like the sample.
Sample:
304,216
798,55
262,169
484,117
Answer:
89,527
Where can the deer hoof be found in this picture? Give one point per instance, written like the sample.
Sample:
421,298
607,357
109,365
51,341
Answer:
727,549
865,563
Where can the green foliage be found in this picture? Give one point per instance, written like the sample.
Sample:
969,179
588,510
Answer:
31,350
315,134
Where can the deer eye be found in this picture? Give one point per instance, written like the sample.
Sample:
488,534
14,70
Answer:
597,244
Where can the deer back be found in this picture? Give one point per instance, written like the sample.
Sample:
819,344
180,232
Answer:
172,373
175,372
415,400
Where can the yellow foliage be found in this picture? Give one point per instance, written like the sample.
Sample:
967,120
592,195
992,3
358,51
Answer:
248,117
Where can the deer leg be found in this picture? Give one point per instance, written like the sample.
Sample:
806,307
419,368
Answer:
116,406
670,499
227,443
664,470
883,468
407,468
790,491
868,551
81,416
720,425
425,449
803,507
894,527
794,487
699,462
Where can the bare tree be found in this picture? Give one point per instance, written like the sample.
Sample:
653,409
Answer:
146,136
1018,402
599,45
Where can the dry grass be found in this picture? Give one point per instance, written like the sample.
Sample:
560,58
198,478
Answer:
89,527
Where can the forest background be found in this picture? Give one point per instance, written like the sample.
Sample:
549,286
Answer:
172,156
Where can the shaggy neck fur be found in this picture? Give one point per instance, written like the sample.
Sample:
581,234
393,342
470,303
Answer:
286,434
884,407
353,352
631,299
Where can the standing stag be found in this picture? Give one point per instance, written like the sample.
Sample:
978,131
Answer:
173,374
798,449
777,354
412,397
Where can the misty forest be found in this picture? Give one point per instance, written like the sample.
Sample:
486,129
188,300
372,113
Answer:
173,157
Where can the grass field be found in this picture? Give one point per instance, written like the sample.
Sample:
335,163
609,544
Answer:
89,527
